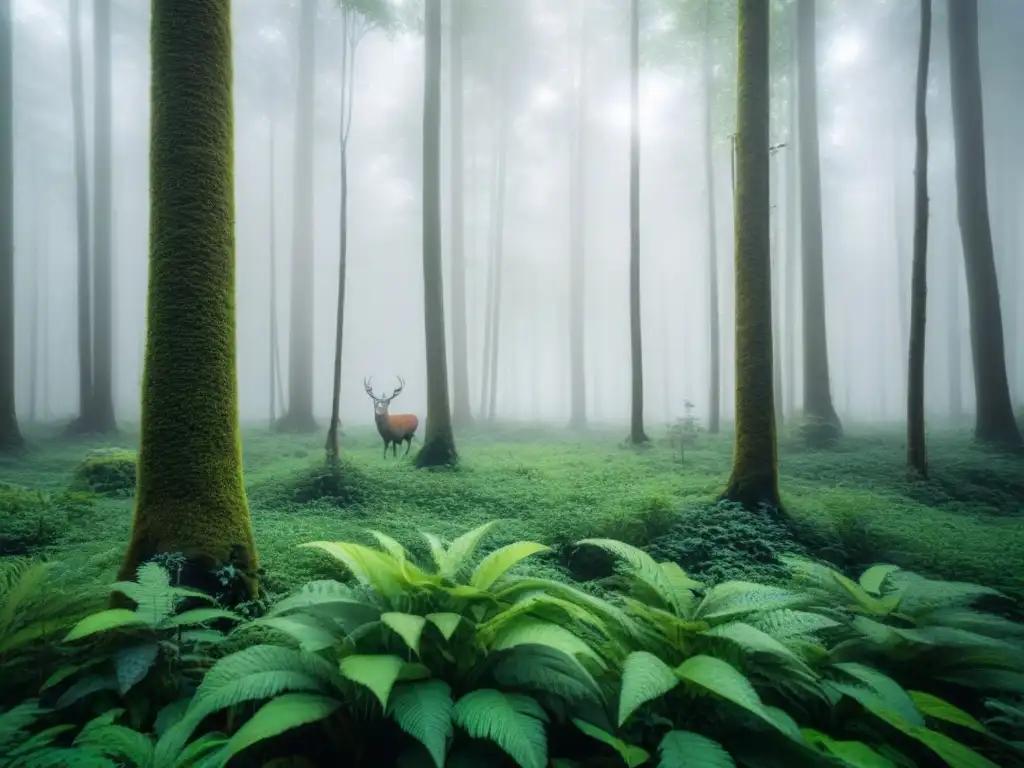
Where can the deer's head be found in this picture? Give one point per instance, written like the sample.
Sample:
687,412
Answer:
380,404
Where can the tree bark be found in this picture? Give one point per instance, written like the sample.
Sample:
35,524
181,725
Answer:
776,274
102,417
191,499
817,386
299,416
714,321
793,264
10,434
462,414
754,480
916,450
577,239
994,420
438,442
636,429
272,235
955,370
498,244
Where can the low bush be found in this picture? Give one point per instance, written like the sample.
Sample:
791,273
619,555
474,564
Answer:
107,471
342,484
31,520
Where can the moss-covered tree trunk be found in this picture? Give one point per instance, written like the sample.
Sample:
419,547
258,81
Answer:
10,433
755,478
994,419
81,424
190,494
916,451
101,415
577,237
462,414
714,321
636,421
817,385
438,442
299,415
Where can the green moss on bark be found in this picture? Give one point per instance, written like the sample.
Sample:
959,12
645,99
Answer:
190,493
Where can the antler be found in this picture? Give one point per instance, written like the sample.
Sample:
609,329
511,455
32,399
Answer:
401,386
366,386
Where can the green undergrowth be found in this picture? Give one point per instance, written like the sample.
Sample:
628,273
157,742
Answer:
107,471
853,504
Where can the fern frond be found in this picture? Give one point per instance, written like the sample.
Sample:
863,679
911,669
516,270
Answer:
277,716
532,631
512,721
425,711
462,549
498,562
641,566
541,668
680,748
732,599
645,677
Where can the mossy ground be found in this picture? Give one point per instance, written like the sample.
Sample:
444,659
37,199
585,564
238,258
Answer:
853,504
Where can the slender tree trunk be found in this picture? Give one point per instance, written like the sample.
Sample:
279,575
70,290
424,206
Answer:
485,368
85,415
776,274
899,188
636,430
10,434
754,480
577,237
191,499
994,413
793,264
348,46
916,451
103,420
44,322
714,322
34,340
462,414
955,371
817,387
498,263
439,442
299,416
272,216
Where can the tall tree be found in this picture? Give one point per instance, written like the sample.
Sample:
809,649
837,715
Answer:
85,416
577,235
299,416
276,390
10,433
755,477
793,264
994,420
438,442
916,450
190,495
817,386
954,371
636,427
714,325
461,411
102,412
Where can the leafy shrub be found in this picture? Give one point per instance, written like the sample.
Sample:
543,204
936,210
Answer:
32,520
108,471
342,484
719,542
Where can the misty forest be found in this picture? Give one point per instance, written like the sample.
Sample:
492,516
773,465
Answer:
530,383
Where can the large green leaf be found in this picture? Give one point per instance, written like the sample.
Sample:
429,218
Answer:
462,549
889,692
201,616
407,626
512,721
631,755
446,623
645,677
376,672
104,621
277,716
306,630
722,679
370,567
934,707
874,577
684,749
424,710
498,562
854,754
641,566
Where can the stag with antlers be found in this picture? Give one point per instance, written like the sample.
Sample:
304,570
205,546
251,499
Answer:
393,428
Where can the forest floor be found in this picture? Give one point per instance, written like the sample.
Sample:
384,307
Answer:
854,504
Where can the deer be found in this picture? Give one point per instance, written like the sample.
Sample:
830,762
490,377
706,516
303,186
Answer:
393,428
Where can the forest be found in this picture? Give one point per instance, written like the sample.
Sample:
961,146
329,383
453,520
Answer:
690,330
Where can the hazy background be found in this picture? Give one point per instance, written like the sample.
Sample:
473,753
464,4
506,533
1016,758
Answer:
866,122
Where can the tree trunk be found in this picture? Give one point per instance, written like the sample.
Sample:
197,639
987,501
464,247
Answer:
85,416
34,340
817,387
994,413
10,434
275,371
498,254
754,480
462,414
485,368
299,416
916,452
714,322
955,371
577,239
438,442
776,274
636,429
793,265
102,416
348,47
191,499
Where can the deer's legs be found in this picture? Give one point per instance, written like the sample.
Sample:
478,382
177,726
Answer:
394,450
385,449
408,445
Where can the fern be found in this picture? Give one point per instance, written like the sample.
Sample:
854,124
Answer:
512,721
425,711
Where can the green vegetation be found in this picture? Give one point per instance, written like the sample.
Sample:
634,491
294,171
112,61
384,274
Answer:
569,602
108,471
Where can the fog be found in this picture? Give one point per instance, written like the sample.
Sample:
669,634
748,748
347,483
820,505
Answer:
866,67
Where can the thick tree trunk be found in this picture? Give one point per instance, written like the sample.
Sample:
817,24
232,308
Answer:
577,239
462,414
191,499
10,434
299,416
776,275
636,429
754,480
994,413
714,322
102,415
85,416
438,442
916,450
817,386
